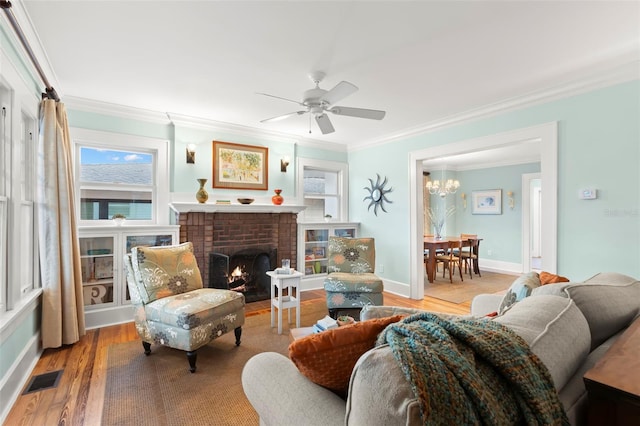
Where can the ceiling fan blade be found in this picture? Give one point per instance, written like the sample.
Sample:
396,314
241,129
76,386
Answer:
278,97
339,92
324,123
372,114
282,117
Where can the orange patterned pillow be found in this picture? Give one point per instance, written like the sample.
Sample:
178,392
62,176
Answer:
328,358
548,278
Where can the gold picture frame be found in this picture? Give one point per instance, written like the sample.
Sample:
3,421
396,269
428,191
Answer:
238,166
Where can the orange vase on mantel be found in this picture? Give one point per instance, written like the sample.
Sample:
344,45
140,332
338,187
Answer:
277,199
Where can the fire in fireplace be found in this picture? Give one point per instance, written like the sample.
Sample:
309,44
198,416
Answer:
244,271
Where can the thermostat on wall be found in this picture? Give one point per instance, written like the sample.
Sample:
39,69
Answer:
588,194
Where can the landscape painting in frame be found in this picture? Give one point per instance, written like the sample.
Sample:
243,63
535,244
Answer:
237,166
487,202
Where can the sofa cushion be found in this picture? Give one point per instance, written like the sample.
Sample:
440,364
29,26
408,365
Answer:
165,271
556,331
371,403
520,288
609,302
555,289
353,255
549,278
327,358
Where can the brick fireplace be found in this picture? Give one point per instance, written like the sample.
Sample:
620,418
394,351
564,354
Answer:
230,232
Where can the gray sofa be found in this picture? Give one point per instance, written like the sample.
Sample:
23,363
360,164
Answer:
569,326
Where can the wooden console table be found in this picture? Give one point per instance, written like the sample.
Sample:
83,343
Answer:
613,384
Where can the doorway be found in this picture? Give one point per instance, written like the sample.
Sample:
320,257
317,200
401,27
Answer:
544,134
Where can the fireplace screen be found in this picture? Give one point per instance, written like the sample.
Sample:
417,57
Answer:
244,271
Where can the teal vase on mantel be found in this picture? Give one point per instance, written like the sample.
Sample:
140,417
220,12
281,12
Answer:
202,196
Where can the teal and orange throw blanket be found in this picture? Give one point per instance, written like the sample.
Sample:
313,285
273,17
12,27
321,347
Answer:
473,372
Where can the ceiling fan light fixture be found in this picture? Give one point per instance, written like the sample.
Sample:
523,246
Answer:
318,101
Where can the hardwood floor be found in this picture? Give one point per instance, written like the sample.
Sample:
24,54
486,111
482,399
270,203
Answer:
78,398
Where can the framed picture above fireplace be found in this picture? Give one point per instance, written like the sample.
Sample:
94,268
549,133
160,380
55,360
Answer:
237,166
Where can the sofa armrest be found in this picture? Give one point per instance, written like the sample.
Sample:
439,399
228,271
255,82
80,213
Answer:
484,304
281,395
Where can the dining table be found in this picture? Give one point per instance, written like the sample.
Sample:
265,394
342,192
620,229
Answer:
433,244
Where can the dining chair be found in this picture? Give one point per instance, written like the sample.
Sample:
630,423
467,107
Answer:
450,259
469,254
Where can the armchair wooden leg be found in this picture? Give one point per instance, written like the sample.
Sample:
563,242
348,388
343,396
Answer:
147,348
238,333
192,356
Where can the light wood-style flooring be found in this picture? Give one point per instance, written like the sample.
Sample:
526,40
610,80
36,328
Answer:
78,398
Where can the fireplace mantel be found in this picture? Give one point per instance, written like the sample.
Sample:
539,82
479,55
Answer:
184,207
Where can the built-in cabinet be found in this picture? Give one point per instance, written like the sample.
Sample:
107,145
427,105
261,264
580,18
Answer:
313,245
104,277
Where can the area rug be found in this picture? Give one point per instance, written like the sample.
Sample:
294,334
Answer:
464,291
159,390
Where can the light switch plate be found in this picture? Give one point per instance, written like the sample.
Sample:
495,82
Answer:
588,194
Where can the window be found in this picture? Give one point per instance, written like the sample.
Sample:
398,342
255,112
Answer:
323,185
19,273
120,174
115,182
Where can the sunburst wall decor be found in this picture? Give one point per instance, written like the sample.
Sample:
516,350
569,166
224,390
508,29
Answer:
377,194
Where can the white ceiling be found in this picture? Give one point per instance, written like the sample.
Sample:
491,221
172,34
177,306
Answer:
421,61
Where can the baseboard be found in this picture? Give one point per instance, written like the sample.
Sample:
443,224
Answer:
18,375
99,318
500,267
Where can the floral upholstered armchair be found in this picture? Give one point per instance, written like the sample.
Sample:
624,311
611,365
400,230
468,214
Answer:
172,308
351,282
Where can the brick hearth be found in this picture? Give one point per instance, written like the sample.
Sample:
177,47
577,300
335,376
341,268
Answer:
228,233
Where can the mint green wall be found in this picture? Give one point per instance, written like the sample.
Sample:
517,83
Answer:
183,176
502,234
186,174
127,126
12,347
598,146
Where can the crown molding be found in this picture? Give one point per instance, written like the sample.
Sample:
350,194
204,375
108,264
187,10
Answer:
206,124
620,74
115,110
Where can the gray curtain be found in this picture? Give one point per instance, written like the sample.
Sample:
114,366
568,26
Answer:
61,273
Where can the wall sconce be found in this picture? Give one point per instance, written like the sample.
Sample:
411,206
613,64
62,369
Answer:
191,154
464,200
284,162
512,202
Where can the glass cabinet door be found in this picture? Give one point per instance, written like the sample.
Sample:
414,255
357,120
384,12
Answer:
96,256
345,232
315,251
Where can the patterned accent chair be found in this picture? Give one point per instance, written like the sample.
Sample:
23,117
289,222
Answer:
172,308
351,283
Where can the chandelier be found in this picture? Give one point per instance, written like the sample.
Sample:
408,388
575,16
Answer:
442,187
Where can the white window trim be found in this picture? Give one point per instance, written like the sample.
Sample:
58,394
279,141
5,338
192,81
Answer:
330,166
117,141
19,284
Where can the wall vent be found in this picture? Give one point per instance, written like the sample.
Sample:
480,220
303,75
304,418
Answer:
43,381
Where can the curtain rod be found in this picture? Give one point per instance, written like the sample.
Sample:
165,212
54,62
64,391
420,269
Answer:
50,91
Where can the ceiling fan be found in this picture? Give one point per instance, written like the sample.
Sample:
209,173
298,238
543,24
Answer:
318,102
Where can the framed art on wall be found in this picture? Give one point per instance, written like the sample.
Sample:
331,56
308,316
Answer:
488,201
237,166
